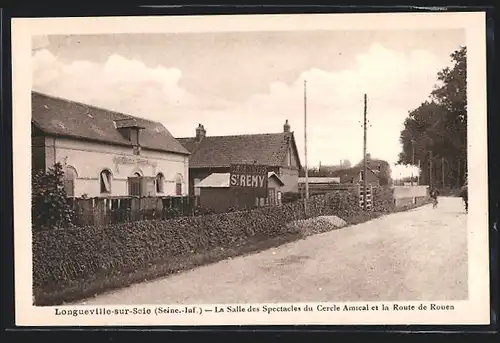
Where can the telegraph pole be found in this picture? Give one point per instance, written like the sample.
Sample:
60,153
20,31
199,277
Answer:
365,185
305,147
412,158
418,175
430,169
442,171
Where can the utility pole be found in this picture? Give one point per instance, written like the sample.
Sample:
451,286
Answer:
305,146
430,169
365,185
442,171
418,175
412,158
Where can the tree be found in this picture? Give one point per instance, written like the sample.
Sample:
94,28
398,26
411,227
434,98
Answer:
50,206
435,133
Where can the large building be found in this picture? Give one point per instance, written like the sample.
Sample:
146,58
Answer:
215,154
105,153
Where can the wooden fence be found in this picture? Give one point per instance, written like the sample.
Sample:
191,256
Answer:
103,211
323,188
368,197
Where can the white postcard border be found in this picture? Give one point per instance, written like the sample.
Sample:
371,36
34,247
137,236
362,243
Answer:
476,310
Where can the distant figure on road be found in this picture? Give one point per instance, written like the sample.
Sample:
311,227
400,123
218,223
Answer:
434,196
465,197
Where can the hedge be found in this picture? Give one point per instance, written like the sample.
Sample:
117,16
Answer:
383,200
63,256
288,197
80,257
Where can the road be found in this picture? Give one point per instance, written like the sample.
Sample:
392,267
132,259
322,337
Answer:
416,255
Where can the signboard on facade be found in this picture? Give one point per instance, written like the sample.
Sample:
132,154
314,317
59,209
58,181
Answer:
249,177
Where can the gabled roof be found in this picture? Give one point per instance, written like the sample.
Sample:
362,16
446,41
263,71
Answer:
221,180
273,174
221,151
60,117
352,171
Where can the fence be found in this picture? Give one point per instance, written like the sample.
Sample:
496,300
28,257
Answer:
368,197
400,195
103,211
402,192
324,188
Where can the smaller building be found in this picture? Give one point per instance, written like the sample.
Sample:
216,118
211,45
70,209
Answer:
318,185
326,170
355,175
216,194
215,154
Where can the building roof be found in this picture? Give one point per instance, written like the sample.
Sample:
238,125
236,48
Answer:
273,174
330,168
60,117
352,171
268,149
221,180
315,179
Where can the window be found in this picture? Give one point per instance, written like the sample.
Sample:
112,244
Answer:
279,198
69,181
105,180
271,199
361,176
134,186
159,183
178,184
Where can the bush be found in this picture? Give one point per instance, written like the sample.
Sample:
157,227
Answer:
83,259
383,200
63,256
50,207
289,197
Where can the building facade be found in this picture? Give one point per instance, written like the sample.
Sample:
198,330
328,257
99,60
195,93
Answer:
105,153
216,194
355,175
215,154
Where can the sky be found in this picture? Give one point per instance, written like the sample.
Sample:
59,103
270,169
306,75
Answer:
251,82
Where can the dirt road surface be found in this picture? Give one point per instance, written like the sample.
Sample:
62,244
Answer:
416,255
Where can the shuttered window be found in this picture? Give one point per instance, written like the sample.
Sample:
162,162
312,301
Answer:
105,180
271,196
160,180
178,184
69,182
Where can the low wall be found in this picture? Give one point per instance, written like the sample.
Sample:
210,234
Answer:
404,202
402,192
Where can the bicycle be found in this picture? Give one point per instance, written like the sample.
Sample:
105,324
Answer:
434,203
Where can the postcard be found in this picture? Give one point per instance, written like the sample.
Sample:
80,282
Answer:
251,170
